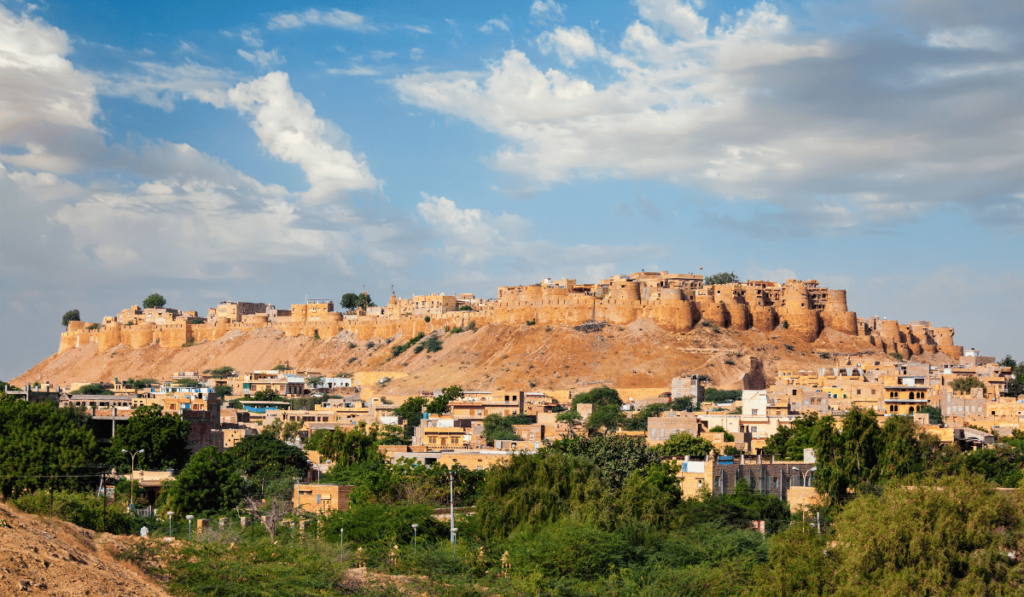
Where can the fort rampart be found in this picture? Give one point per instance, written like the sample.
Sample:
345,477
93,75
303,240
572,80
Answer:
676,303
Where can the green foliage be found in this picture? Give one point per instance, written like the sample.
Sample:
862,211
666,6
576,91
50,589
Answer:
154,301
139,384
934,414
284,431
70,316
465,308
94,389
164,438
399,349
345,448
683,444
439,405
384,525
267,396
788,442
265,458
220,372
1002,465
721,278
615,455
426,318
208,484
963,385
222,390
256,567
498,427
725,434
719,396
280,367
187,383
86,510
913,541
638,422
411,413
433,344
608,417
42,446
598,397
896,357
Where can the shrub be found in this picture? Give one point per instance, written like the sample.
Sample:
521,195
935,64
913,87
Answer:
531,322
472,325
83,509
370,345
351,344
788,346
730,362
351,359
455,330
433,344
785,324
427,319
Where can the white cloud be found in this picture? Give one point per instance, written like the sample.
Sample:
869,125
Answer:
252,38
682,18
382,55
419,29
336,18
753,110
416,53
186,48
288,127
159,85
968,38
355,71
546,10
570,44
493,24
262,58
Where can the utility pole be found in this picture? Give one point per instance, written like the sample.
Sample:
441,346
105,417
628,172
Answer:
451,504
131,480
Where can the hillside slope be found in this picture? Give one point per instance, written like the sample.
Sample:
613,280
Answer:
639,355
47,556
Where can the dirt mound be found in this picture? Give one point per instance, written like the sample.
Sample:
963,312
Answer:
51,557
639,355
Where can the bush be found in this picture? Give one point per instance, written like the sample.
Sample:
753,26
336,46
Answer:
427,319
433,344
83,509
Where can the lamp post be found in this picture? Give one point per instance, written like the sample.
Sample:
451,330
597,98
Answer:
804,474
131,479
451,505
454,532
170,516
190,517
414,527
341,547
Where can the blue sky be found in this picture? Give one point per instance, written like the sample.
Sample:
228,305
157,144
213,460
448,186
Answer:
264,150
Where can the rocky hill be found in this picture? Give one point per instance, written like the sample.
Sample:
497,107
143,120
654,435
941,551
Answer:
638,355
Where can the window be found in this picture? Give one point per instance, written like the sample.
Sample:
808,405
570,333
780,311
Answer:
775,482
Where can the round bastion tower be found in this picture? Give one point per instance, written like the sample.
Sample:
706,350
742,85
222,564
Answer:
796,311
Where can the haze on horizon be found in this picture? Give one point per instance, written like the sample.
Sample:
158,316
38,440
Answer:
260,151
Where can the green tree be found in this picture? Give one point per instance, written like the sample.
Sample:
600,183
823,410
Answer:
70,316
222,390
1015,385
164,437
570,417
721,278
221,372
139,384
411,413
439,405
284,431
208,484
606,416
638,422
348,447
154,301
187,383
266,396
598,397
683,444
350,300
42,446
616,456
725,434
497,427
264,458
963,385
94,389
934,415
789,442
949,539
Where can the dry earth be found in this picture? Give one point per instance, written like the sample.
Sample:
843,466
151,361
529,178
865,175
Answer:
40,556
640,355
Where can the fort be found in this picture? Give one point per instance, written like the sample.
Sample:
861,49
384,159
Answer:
674,302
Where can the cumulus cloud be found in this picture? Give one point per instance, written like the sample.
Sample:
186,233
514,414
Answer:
968,38
546,10
339,19
261,58
287,125
842,131
160,85
480,241
493,24
570,44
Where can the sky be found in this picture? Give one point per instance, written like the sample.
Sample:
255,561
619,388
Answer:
268,151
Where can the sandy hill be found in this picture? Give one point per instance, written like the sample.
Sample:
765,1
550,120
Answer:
639,355
49,557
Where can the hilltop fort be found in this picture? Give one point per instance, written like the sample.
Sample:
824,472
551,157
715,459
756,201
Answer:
674,302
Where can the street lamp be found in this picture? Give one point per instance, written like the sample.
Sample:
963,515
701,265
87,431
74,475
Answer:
131,480
454,532
804,474
414,527
170,515
341,547
190,517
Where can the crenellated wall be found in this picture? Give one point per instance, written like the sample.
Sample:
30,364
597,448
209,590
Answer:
675,303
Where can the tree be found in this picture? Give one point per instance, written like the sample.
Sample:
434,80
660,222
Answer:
683,444
349,300
497,427
70,316
222,390
608,417
266,396
220,372
1015,385
94,389
138,384
616,456
265,458
963,385
187,383
934,415
154,301
208,484
788,443
164,437
411,413
598,397
439,404
348,447
572,418
314,381
721,278
284,431
42,446
638,422
725,434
